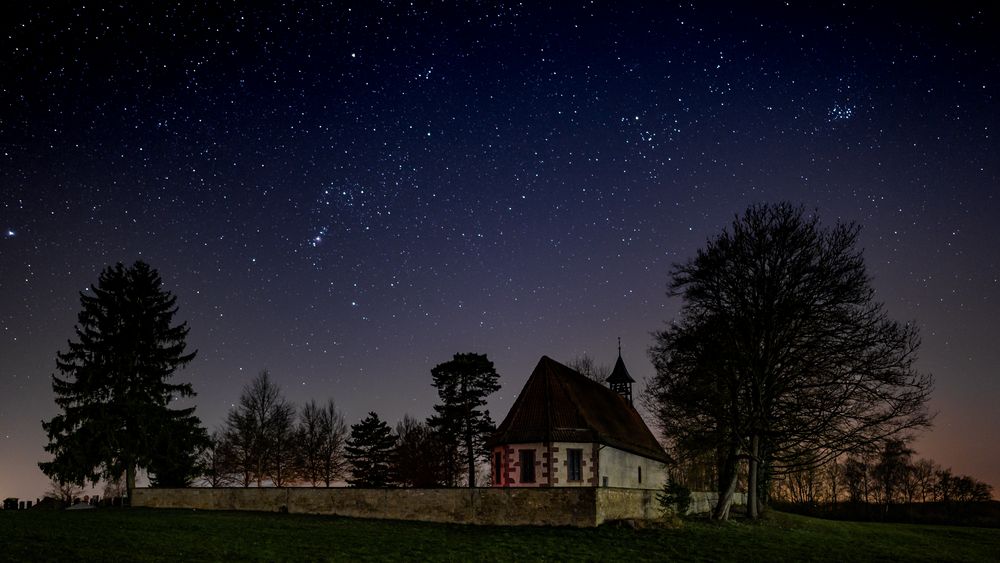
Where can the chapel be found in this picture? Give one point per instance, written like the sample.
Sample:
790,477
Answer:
566,430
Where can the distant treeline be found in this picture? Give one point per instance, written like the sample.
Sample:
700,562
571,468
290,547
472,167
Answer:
885,484
885,477
959,513
267,441
888,485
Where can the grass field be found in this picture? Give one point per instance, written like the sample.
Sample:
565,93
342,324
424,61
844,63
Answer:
184,535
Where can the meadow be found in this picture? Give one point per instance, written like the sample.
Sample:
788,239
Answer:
187,535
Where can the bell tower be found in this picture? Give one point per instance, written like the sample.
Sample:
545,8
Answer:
620,381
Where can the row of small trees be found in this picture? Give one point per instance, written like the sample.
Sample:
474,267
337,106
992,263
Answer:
266,440
889,476
115,392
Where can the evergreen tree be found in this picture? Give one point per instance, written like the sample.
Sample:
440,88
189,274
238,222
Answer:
175,463
369,451
114,388
462,425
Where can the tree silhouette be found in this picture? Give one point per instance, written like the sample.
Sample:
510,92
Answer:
216,462
369,452
460,422
781,356
586,365
416,459
320,438
259,433
176,460
63,491
114,388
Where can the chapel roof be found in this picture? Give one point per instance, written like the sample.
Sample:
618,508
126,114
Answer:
558,404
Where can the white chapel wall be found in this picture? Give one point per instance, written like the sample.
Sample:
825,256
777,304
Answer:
619,468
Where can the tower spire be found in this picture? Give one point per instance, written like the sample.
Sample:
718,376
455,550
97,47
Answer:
620,381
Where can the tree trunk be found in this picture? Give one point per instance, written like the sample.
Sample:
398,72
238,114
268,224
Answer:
727,486
471,453
833,483
726,499
753,510
470,448
130,481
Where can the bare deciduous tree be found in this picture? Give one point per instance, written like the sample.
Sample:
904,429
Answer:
879,479
321,435
782,357
588,367
64,491
258,432
282,467
217,462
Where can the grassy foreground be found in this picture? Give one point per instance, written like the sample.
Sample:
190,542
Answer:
185,535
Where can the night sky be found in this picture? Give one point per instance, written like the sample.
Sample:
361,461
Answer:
349,195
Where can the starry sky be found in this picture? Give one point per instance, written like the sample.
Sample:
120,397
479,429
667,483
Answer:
348,194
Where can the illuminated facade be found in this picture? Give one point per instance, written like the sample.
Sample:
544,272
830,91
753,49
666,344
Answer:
565,430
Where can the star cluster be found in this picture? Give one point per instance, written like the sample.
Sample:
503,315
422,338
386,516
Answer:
348,194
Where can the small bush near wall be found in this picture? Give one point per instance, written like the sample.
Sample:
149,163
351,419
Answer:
675,499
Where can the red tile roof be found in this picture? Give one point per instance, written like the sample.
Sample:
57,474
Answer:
558,404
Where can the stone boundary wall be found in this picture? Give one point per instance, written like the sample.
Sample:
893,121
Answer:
641,504
493,506
578,507
703,503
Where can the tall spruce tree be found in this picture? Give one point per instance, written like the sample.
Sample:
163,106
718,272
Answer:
369,452
114,388
462,425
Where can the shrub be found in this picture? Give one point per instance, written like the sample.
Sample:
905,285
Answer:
675,498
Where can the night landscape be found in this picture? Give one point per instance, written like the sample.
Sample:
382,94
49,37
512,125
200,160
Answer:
478,280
